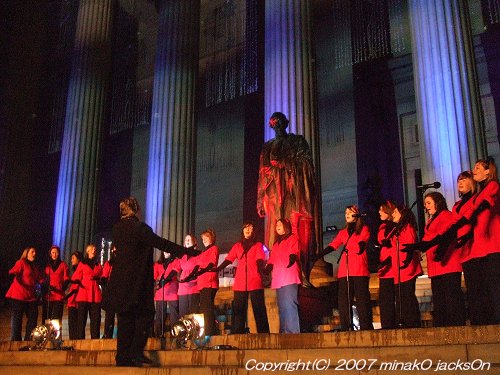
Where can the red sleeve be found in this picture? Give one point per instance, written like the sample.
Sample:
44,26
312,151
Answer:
271,254
294,245
233,253
65,272
97,271
157,271
106,270
213,257
17,269
78,274
440,225
172,267
490,194
339,239
408,236
39,276
176,265
208,256
259,254
365,234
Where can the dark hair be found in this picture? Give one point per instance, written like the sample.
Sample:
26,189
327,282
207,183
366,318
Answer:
464,174
287,226
129,207
388,207
58,251
407,217
247,224
438,199
467,175
359,220
77,254
489,163
162,257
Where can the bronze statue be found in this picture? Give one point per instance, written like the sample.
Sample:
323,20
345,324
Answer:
286,187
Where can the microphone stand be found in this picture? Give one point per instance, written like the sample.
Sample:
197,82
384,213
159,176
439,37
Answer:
398,257
49,314
162,338
163,342
400,307
247,293
349,307
247,329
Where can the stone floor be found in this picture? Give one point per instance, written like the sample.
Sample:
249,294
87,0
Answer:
405,351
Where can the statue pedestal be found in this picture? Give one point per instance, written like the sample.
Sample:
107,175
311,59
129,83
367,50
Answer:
321,274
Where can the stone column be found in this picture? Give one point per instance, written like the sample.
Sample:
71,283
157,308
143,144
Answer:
448,105
81,149
289,84
289,88
169,194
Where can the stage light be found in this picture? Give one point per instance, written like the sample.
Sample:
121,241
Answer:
42,334
355,319
189,328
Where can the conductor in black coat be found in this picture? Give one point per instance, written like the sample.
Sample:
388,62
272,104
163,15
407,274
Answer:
130,288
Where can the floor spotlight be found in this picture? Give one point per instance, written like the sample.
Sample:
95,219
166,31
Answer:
189,328
42,334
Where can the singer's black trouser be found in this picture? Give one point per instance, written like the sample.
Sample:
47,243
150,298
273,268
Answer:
73,323
387,303
189,304
482,279
161,309
207,308
19,308
448,300
109,324
408,310
360,296
52,310
240,307
93,310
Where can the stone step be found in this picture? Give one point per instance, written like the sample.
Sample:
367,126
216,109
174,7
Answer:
224,298
239,358
76,370
375,338
386,348
108,370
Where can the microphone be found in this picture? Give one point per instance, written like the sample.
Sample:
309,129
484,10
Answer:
434,185
359,215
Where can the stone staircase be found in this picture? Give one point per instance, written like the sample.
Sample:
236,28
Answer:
359,352
404,351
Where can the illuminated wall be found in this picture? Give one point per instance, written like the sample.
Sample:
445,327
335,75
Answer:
171,147
75,211
447,99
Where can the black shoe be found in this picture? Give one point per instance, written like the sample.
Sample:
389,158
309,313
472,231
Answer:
143,360
128,363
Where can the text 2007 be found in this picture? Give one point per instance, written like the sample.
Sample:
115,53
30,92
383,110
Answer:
355,364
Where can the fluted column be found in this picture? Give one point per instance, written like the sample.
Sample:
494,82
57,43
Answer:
288,73
448,105
81,148
169,194
289,88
